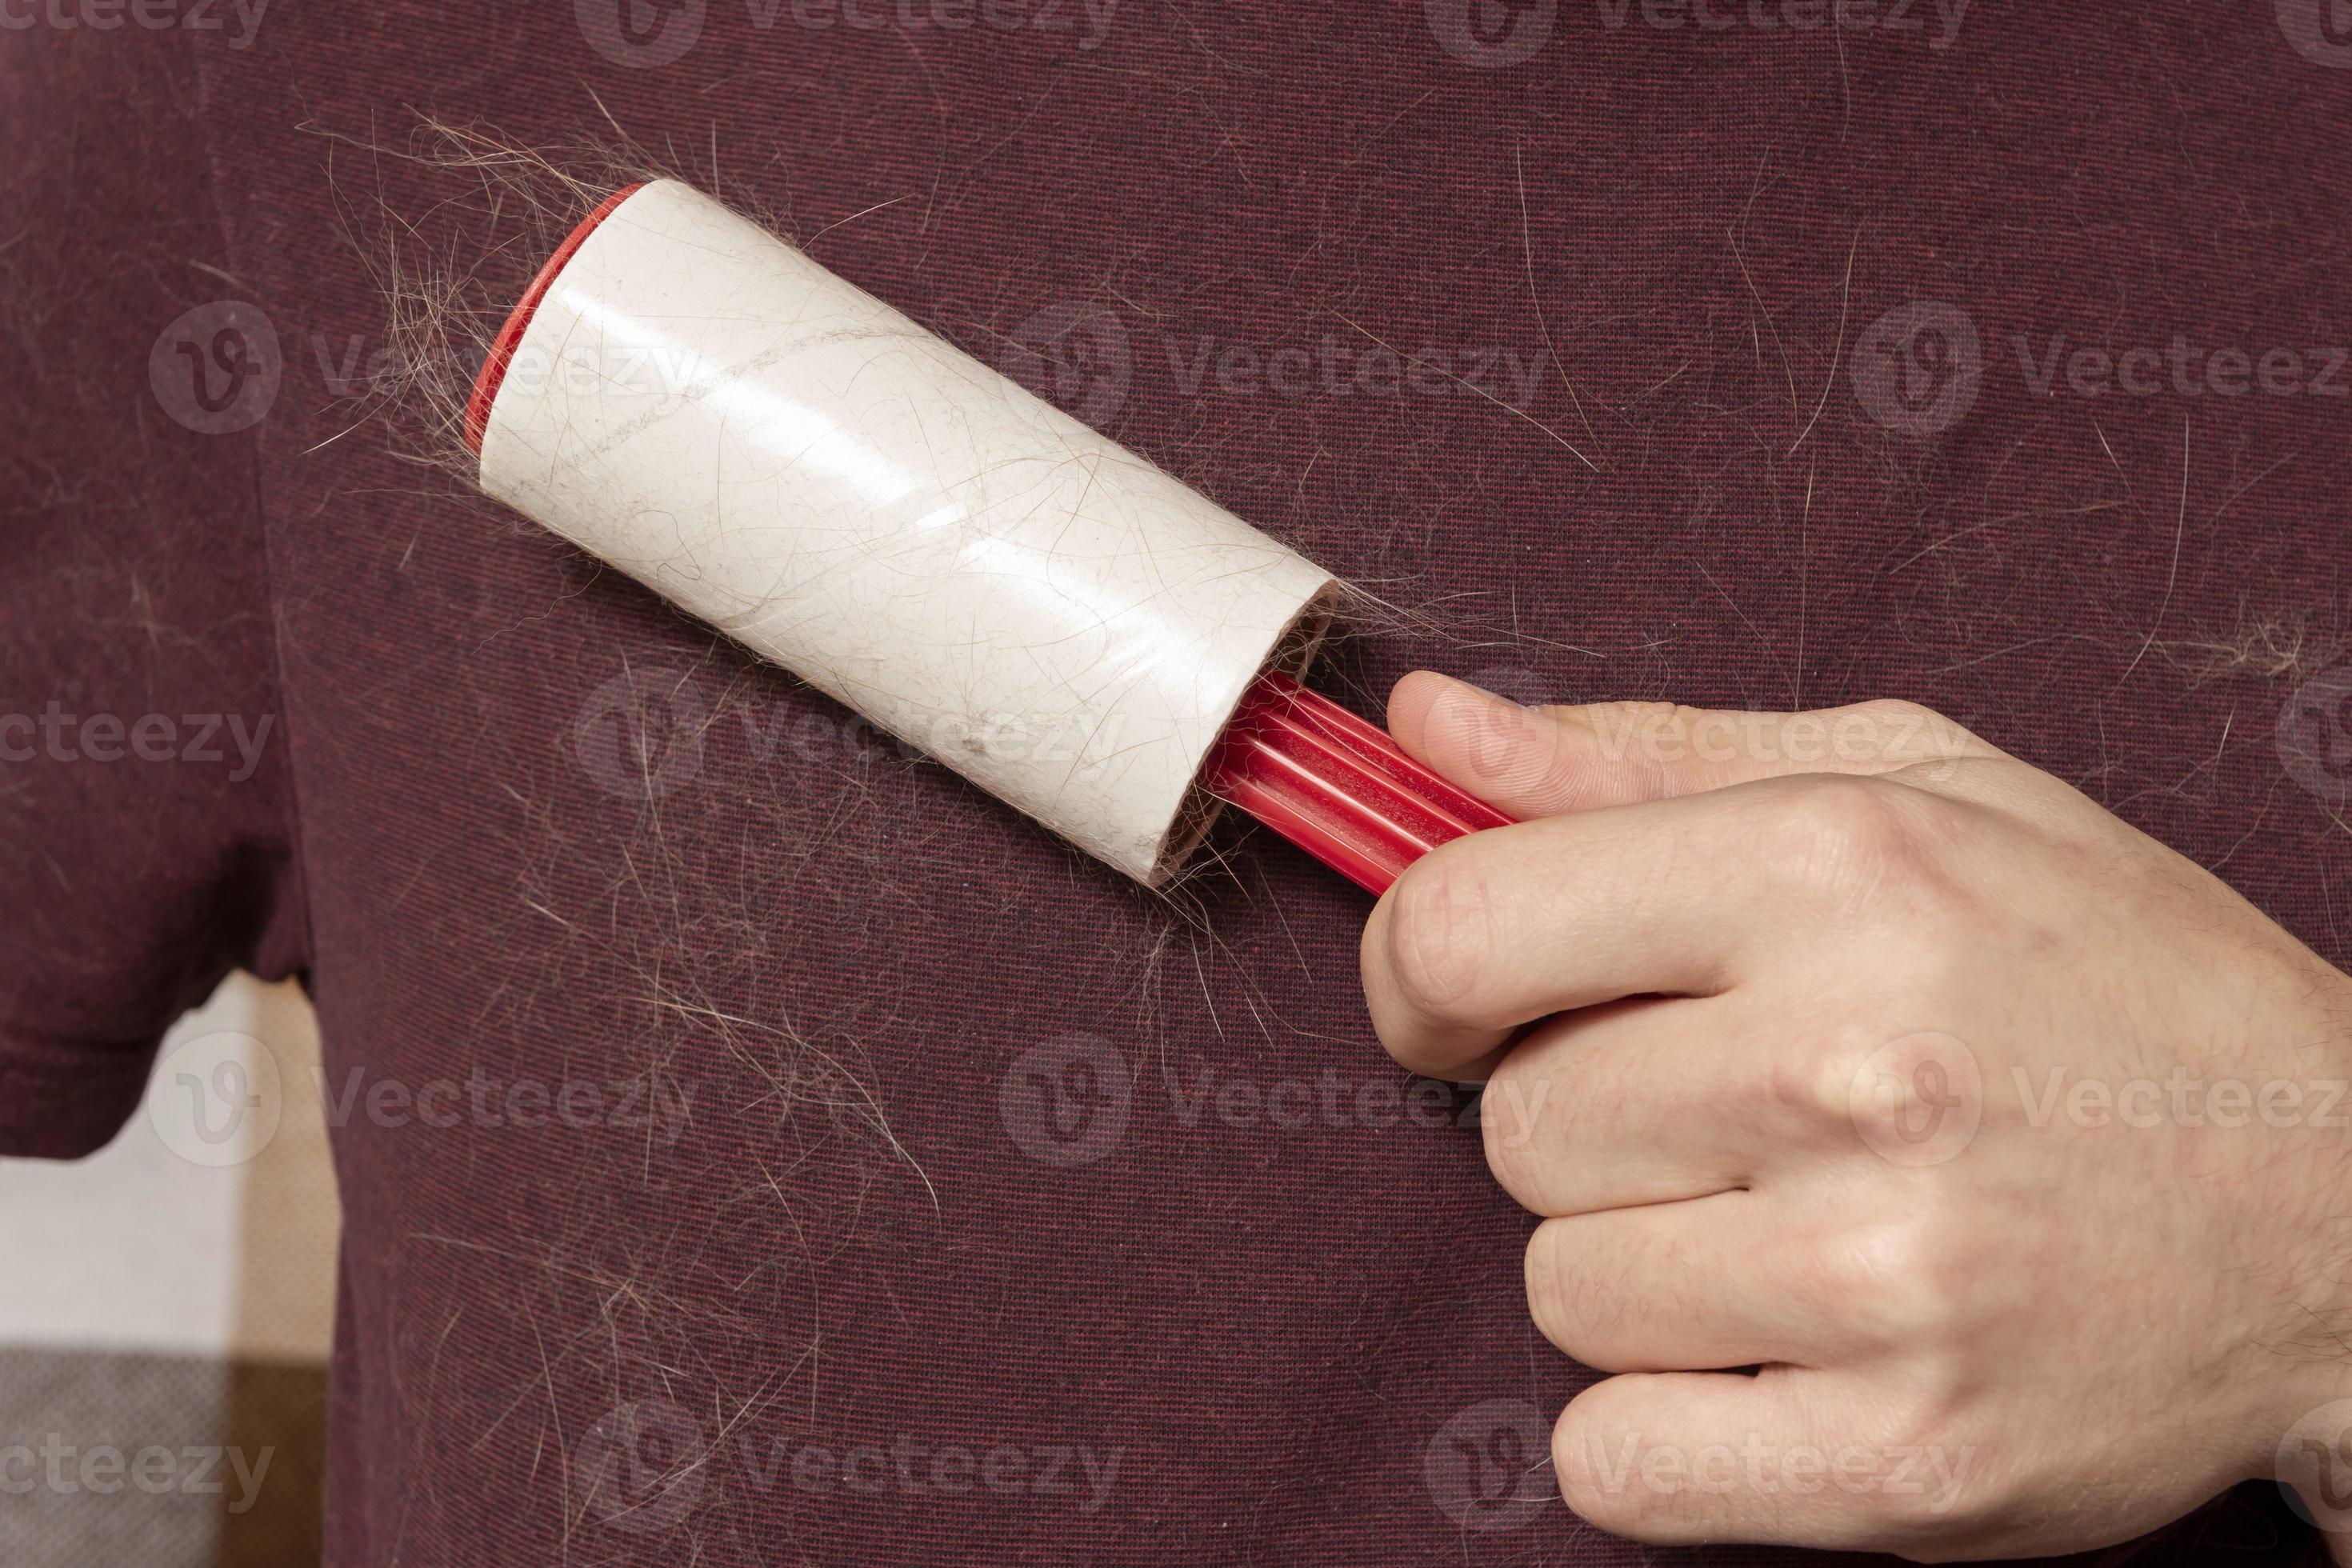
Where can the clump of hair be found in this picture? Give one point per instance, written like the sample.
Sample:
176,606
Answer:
450,264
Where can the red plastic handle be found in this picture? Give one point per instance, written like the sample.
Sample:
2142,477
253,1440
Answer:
1334,785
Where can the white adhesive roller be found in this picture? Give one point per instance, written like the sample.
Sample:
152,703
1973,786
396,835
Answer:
791,460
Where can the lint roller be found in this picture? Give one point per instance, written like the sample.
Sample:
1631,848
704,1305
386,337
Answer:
789,459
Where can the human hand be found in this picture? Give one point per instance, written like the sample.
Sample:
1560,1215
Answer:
2006,1144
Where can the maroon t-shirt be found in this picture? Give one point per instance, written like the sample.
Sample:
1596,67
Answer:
792,1156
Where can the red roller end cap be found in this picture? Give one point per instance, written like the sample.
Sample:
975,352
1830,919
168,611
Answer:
502,347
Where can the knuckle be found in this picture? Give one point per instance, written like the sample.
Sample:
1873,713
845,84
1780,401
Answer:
1436,936
1899,723
1909,730
1850,835
1812,1076
1833,813
1890,1281
1524,1153
1565,1302
1539,1267
1588,1455
1895,733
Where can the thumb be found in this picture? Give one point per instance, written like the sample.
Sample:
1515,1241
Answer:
1539,762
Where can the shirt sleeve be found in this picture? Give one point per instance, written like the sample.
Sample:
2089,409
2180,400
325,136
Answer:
146,836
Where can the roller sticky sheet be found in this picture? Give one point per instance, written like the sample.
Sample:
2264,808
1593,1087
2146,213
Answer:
793,462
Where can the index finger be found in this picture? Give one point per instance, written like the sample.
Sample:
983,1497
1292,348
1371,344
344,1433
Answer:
1510,925
1683,897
